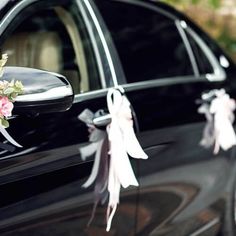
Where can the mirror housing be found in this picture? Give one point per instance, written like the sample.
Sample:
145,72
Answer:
44,92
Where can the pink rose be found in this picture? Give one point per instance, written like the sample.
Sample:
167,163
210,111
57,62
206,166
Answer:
5,107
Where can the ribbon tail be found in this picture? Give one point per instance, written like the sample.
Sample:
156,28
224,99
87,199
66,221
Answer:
88,150
102,177
226,136
95,168
125,172
132,145
119,158
93,213
8,137
110,217
216,147
114,194
208,136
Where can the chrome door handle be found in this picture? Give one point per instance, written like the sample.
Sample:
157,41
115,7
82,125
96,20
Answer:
102,120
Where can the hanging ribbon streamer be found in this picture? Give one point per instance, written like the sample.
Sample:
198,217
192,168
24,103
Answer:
218,108
98,146
113,167
122,142
8,137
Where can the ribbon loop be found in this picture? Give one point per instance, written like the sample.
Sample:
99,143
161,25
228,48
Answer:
122,142
218,110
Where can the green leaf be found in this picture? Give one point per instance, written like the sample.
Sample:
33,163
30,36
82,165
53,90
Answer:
4,122
13,96
19,85
9,90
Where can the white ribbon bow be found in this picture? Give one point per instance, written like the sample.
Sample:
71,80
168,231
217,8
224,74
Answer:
122,142
96,138
222,107
220,116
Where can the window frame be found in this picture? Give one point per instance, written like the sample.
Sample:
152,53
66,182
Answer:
106,45
218,75
163,12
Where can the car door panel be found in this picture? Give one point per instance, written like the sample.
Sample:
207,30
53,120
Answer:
48,180
175,177
163,83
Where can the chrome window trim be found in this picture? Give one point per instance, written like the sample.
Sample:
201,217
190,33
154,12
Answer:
180,27
219,73
110,44
163,82
12,13
103,41
94,44
90,95
141,85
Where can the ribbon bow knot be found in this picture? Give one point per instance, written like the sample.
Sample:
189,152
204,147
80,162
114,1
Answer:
122,143
220,117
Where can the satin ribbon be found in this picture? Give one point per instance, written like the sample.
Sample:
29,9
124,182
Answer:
220,117
8,137
112,168
208,138
122,142
98,146
96,138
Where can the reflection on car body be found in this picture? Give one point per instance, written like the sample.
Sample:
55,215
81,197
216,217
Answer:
164,63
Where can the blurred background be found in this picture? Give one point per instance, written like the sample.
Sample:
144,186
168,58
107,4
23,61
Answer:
217,17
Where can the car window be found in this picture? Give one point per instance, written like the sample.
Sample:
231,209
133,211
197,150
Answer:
203,63
53,38
148,43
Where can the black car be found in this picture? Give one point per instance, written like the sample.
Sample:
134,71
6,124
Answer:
164,63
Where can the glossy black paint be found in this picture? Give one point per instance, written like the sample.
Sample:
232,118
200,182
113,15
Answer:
183,188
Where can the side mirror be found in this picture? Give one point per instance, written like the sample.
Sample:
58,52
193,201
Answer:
44,92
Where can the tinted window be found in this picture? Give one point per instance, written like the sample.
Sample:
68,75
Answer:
148,43
203,63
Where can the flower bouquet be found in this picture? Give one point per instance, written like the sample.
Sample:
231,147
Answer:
8,93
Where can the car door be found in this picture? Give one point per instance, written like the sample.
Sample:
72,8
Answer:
167,66
41,183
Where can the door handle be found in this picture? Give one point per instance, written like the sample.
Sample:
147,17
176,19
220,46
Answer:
102,120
